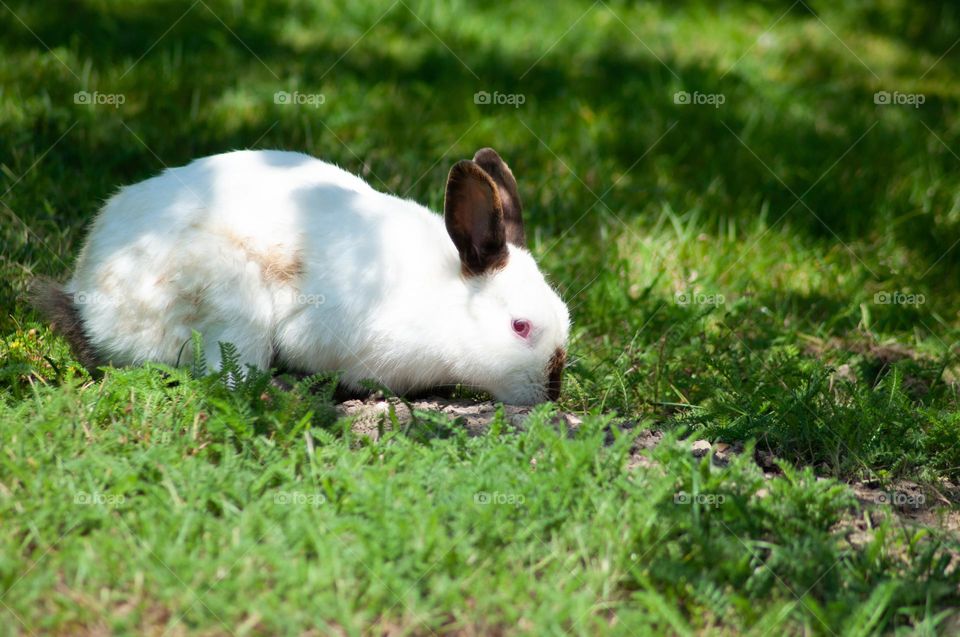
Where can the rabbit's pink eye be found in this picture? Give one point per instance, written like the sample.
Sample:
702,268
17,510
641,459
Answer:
521,327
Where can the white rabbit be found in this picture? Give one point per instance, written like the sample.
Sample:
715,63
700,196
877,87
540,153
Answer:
304,266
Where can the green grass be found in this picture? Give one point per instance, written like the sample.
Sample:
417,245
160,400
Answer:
726,269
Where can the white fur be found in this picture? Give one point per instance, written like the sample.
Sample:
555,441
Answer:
214,246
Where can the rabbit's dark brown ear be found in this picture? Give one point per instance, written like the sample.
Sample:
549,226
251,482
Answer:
490,161
474,217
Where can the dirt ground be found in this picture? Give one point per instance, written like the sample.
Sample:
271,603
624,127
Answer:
936,506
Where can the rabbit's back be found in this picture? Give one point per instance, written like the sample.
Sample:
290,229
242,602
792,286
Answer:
256,248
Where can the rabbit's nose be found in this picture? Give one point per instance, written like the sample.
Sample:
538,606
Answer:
555,373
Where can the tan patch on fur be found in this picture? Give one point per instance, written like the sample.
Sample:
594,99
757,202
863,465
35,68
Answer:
280,267
194,300
276,263
555,373
106,281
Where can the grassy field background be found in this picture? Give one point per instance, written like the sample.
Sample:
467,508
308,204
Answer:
751,208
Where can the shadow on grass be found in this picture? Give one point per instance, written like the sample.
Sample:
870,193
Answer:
588,119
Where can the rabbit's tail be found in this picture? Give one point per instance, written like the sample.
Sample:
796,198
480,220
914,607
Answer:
57,306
